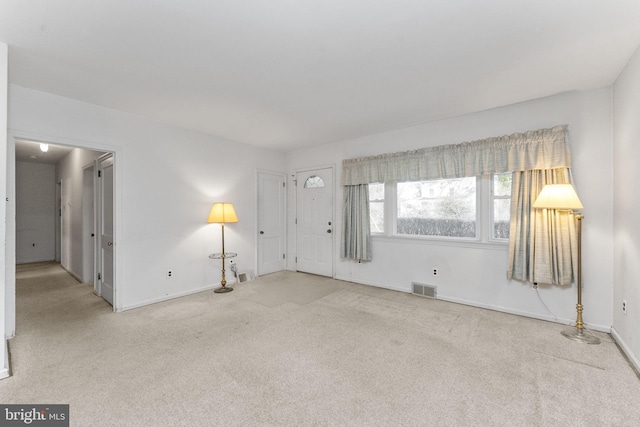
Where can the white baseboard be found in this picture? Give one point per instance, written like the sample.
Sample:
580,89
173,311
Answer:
377,285
170,297
595,327
548,318
625,348
34,260
72,274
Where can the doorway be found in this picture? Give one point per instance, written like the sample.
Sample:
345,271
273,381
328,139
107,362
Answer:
315,221
76,214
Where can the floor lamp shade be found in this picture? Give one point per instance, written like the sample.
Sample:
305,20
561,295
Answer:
222,213
558,196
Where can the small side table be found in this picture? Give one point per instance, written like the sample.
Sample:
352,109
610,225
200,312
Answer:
223,282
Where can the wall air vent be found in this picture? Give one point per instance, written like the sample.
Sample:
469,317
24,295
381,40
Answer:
424,290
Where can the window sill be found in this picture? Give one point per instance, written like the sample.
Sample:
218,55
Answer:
434,241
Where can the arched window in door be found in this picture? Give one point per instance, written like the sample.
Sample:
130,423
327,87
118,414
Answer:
314,181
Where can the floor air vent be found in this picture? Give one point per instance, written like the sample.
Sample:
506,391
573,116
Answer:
424,290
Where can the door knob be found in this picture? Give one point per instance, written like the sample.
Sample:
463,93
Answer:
109,244
261,232
329,231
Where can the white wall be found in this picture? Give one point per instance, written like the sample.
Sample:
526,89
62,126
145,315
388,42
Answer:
35,212
476,274
6,304
70,173
626,139
165,181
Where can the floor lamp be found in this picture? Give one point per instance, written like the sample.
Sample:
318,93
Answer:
222,213
564,197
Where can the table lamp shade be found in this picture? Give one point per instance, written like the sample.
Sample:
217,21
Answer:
222,213
558,196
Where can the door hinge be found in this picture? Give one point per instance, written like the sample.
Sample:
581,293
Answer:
99,276
99,174
283,256
283,184
296,259
296,221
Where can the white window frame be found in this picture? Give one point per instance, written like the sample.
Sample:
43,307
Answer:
484,219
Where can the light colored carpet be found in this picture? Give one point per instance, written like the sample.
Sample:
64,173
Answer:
293,349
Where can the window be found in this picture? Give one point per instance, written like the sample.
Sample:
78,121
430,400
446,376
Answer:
376,208
473,209
444,207
314,181
501,195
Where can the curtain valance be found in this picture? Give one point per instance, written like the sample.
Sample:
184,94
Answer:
533,150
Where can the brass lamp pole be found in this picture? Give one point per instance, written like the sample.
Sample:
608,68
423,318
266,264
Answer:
222,213
564,197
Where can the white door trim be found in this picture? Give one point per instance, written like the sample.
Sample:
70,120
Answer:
99,180
117,151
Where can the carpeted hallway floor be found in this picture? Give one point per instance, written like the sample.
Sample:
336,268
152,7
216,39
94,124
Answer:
293,349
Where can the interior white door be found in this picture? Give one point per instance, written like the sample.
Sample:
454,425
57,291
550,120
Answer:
59,222
105,229
65,223
88,224
314,221
271,223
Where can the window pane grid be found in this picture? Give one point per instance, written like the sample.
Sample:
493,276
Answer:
501,209
376,208
473,208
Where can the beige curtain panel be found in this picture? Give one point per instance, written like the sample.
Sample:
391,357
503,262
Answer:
356,238
543,243
533,150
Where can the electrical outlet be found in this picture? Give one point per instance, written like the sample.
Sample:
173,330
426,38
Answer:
435,271
169,274
624,306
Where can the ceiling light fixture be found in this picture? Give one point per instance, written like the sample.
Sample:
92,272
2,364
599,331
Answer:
44,147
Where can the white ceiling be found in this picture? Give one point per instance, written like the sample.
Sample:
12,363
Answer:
292,73
29,151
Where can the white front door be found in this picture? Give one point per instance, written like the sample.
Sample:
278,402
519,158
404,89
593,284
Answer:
105,282
271,223
314,221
